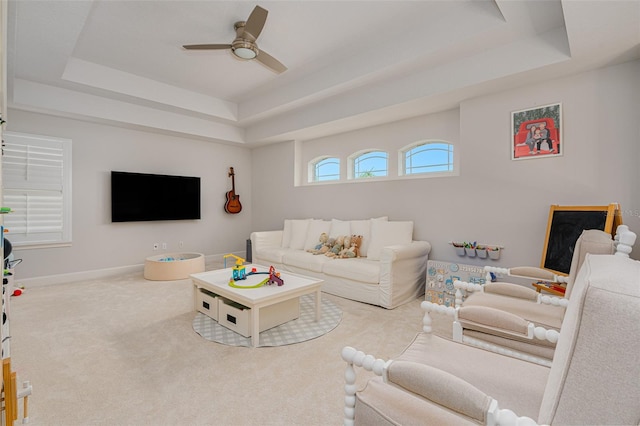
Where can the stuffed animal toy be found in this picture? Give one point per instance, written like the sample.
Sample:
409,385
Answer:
324,238
354,249
346,244
325,248
336,247
358,243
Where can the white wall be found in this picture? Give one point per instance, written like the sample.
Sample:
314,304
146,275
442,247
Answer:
494,200
98,149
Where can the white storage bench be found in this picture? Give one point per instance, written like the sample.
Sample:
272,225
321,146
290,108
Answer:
237,317
207,303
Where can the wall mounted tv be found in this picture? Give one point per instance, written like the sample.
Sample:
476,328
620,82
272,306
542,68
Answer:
137,197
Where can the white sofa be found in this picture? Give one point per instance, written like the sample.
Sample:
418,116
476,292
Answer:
390,272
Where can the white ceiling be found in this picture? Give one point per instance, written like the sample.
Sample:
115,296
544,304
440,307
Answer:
351,64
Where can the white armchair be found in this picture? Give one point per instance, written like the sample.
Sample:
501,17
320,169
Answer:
510,318
438,381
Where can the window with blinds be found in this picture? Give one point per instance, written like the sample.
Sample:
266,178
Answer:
36,179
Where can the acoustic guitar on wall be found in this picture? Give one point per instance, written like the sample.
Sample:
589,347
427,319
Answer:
232,205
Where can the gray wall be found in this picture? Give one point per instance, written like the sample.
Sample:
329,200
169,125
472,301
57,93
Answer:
494,200
98,149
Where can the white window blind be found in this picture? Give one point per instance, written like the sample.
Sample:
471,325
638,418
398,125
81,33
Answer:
36,178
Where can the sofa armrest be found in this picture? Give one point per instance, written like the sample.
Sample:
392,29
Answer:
413,250
440,387
403,272
532,272
452,393
265,239
500,321
511,290
495,319
529,272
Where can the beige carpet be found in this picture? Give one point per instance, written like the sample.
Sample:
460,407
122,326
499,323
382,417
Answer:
122,351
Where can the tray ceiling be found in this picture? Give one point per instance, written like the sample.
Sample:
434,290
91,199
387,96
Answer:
351,64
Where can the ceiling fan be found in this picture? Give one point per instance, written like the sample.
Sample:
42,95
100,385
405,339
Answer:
244,46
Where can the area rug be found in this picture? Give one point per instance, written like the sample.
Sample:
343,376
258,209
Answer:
299,330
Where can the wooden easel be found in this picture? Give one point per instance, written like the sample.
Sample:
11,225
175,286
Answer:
565,225
10,395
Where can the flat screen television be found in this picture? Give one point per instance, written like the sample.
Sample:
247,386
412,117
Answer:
137,197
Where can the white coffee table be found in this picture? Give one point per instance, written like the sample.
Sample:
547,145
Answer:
295,285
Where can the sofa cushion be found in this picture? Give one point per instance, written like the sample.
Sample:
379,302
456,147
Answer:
298,233
294,233
316,227
304,260
286,233
384,233
363,270
537,313
339,227
363,227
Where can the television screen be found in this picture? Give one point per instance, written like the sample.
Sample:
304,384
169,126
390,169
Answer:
139,197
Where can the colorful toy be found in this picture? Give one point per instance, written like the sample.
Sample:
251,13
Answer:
239,271
273,278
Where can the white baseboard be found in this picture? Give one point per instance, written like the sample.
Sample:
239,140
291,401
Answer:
98,273
78,276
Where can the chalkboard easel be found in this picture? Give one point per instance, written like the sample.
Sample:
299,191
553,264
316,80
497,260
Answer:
564,227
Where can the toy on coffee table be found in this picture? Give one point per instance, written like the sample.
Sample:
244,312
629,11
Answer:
239,273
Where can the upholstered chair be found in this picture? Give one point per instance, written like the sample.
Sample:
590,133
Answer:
514,319
594,377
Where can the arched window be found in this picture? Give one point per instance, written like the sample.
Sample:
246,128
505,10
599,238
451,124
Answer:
369,164
428,157
324,169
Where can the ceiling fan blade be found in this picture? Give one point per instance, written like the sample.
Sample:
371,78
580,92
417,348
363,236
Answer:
270,62
206,46
256,21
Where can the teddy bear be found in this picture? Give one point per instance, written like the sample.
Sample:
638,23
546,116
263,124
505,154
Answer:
354,248
358,239
336,247
323,240
346,244
325,248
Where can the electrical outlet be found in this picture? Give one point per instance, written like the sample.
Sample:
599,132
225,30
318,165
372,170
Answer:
155,246
164,246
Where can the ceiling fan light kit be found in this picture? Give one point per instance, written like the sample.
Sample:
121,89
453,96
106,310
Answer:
244,50
244,46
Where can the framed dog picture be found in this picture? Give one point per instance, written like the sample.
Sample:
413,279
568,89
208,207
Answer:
536,132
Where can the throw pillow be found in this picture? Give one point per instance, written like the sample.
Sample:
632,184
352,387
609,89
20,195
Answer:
363,227
286,234
385,234
339,227
299,233
316,227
